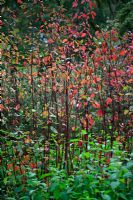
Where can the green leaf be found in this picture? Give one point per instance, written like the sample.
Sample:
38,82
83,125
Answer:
64,195
114,185
45,175
128,175
5,180
83,132
53,129
74,140
18,189
24,198
121,195
106,197
129,164
31,175
33,110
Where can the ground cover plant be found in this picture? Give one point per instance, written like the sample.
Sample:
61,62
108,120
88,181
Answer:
66,104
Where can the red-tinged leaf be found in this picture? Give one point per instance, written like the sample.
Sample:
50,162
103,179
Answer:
83,82
1,107
91,121
26,158
100,113
54,88
97,34
70,97
93,14
114,57
83,121
86,136
95,104
76,50
90,71
92,95
96,64
19,1
123,52
1,22
80,144
83,1
104,50
65,40
83,48
115,117
74,92
46,60
79,105
35,1
92,4
120,72
83,35
41,27
33,165
85,103
9,166
17,107
131,47
63,56
99,140
16,168
108,101
50,41
24,63
75,4
84,16
114,32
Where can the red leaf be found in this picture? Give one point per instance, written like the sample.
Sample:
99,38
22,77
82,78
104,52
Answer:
100,113
131,47
75,4
83,1
41,27
86,136
17,107
91,121
84,16
83,35
19,1
93,14
50,41
65,40
1,22
80,144
95,104
108,101
123,52
24,63
33,165
114,57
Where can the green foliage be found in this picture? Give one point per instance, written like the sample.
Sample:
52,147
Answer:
90,181
125,17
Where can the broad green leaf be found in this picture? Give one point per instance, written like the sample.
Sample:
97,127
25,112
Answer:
45,175
115,184
53,129
83,132
106,197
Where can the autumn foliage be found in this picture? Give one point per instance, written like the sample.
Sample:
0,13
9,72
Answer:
63,87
